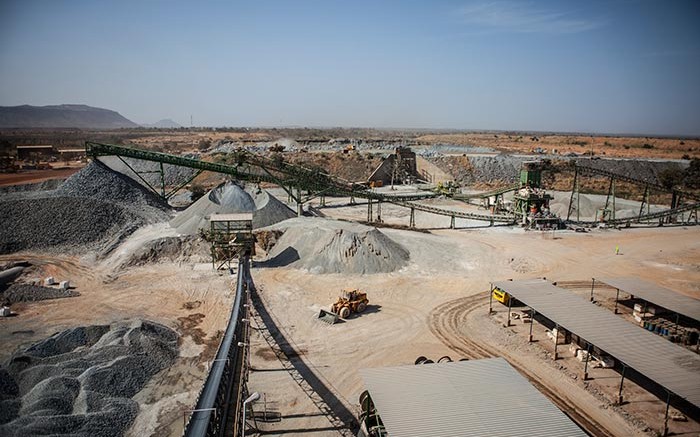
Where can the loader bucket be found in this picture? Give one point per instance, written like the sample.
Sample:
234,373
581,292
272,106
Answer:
328,317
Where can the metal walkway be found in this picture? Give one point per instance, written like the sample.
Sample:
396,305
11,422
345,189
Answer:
293,179
677,206
219,404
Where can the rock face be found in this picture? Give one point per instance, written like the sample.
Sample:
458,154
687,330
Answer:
325,246
80,382
62,116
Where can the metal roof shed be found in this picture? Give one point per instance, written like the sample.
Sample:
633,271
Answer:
660,296
675,369
466,398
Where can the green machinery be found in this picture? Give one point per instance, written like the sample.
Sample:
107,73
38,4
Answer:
300,183
245,165
531,202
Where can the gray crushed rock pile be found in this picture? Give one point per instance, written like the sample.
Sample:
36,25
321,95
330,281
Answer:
30,191
189,249
62,223
173,174
231,198
268,209
47,185
506,168
32,293
97,181
93,209
327,246
646,170
80,382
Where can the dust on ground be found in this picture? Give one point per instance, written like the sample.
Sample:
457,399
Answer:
446,265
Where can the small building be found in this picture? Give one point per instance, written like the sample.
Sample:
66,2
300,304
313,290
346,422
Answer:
35,153
399,168
71,154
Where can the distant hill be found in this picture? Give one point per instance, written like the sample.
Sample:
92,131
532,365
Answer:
166,123
62,116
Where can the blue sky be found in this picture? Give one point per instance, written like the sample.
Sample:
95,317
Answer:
618,66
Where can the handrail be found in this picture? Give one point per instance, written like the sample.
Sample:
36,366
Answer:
211,398
303,177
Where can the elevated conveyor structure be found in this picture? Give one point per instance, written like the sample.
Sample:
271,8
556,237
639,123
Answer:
219,406
496,192
681,201
294,179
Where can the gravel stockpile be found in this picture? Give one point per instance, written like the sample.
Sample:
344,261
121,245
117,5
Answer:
591,204
31,293
188,248
30,191
268,209
173,174
99,182
80,382
93,209
504,168
64,224
646,170
47,185
327,246
231,198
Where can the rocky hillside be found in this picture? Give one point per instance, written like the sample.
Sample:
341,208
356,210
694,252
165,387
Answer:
62,116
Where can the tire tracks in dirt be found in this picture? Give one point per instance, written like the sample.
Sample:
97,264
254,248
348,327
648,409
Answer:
444,322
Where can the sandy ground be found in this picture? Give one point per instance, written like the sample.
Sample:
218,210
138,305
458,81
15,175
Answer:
34,176
192,299
434,306
406,308
609,146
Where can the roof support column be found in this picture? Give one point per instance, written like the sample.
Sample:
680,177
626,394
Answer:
490,299
532,322
585,366
675,328
592,287
617,297
622,380
668,403
510,300
556,342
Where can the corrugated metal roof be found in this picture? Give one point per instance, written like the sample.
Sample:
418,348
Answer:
673,367
658,295
466,398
